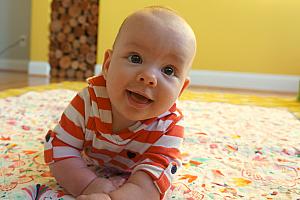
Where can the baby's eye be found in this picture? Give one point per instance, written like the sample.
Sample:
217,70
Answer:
168,70
135,59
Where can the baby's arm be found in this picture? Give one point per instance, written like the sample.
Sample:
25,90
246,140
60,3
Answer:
139,186
153,177
63,146
74,175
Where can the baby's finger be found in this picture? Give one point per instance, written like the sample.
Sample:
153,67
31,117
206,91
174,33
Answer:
96,196
117,181
82,197
86,197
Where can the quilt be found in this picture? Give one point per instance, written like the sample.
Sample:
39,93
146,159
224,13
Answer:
235,146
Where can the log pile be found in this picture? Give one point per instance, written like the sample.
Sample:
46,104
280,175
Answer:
73,38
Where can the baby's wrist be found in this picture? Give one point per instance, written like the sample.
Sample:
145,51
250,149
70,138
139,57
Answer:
107,196
106,185
99,185
83,191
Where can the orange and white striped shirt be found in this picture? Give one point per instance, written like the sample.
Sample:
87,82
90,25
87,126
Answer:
150,145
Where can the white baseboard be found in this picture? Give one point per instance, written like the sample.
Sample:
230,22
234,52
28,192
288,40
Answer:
268,82
14,65
43,68
253,81
39,68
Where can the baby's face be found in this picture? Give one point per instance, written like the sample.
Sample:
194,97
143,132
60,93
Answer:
147,70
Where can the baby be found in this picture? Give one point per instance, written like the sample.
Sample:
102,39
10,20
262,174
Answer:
127,118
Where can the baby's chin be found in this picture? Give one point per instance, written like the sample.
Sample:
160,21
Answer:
138,117
142,115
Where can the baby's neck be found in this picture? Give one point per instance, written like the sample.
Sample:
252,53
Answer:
119,122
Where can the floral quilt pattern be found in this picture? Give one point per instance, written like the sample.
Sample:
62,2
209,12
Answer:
229,152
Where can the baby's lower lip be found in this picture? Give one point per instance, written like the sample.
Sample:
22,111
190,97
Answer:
136,102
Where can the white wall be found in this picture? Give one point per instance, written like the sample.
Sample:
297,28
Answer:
14,22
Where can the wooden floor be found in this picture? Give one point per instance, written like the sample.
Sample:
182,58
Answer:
10,80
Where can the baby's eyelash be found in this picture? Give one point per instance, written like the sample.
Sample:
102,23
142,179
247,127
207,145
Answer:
135,58
169,70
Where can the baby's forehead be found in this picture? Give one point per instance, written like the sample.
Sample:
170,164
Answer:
162,19
160,24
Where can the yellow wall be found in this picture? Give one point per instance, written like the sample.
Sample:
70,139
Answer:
260,36
39,36
111,15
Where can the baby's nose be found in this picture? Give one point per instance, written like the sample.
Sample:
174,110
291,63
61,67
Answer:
147,78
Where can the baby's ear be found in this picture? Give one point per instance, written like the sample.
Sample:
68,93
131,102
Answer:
185,85
106,62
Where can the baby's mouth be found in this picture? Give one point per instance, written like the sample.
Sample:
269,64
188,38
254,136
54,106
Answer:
138,98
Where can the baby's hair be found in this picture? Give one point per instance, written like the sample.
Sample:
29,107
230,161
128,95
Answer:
156,9
161,8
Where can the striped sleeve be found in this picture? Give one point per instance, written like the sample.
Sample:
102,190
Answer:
162,160
67,138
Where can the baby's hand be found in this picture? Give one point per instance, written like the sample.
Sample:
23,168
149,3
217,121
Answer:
100,185
95,196
117,181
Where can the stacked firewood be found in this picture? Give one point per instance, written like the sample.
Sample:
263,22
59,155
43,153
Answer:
73,38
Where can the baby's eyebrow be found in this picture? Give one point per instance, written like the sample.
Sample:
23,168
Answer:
135,45
175,58
178,58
